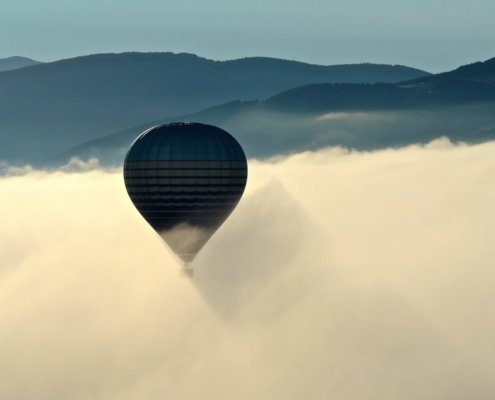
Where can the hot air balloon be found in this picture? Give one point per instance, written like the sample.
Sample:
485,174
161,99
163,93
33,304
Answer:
185,179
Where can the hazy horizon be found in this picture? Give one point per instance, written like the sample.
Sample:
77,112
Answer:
434,37
315,60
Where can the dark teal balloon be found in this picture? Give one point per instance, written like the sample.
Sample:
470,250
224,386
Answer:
185,179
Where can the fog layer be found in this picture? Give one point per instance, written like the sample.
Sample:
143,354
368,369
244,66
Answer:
341,275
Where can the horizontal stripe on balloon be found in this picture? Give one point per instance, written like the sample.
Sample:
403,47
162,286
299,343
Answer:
184,164
184,181
185,173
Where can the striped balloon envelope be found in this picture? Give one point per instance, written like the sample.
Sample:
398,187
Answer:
185,179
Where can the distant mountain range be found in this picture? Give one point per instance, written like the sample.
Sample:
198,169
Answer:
49,107
54,111
467,84
15,62
459,104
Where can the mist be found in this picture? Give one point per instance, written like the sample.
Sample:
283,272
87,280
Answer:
265,133
341,274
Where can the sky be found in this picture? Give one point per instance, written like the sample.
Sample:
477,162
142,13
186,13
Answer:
435,36
341,274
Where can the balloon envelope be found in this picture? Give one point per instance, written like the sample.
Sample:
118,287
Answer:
185,179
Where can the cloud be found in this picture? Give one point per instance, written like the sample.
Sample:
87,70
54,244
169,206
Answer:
341,274
75,164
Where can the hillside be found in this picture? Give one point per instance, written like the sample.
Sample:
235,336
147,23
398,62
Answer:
459,104
467,84
15,62
476,72
49,107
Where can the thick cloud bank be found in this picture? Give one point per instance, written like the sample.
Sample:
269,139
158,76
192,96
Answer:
340,276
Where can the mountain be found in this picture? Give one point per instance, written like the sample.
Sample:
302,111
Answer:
475,72
459,104
467,84
15,62
111,149
49,107
265,133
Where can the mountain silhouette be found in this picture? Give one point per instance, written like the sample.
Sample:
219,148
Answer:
475,72
467,84
49,107
15,62
459,104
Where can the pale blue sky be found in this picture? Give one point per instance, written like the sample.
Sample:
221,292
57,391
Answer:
435,35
